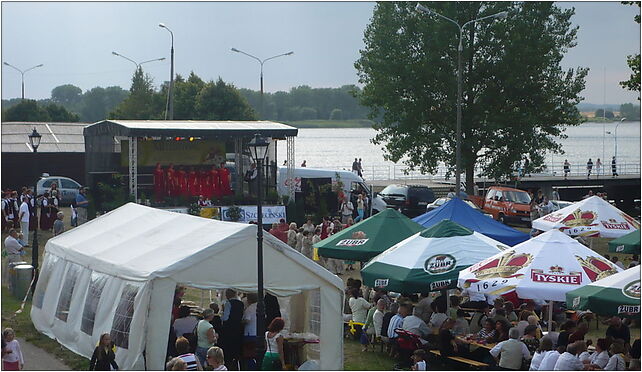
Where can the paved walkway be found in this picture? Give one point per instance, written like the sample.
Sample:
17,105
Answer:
37,359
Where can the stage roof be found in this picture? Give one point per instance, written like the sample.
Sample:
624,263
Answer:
171,128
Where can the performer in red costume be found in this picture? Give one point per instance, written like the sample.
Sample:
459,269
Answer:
170,187
181,182
159,183
203,183
192,183
224,176
215,188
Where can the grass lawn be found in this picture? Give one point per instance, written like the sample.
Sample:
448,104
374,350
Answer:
354,359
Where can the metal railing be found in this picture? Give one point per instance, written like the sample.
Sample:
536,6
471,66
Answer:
402,172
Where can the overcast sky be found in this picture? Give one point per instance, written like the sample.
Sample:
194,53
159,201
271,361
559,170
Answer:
74,41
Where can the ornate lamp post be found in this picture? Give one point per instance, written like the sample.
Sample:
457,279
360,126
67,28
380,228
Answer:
34,140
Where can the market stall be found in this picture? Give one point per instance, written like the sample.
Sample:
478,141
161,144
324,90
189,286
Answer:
117,274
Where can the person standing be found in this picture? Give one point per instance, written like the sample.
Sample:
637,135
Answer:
355,166
346,210
598,167
224,179
249,332
12,360
613,168
23,216
81,206
555,195
205,336
13,249
589,168
274,358
360,169
59,225
303,165
232,329
360,208
103,357
567,168
527,165
159,183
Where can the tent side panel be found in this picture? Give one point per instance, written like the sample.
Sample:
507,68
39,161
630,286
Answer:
159,318
331,329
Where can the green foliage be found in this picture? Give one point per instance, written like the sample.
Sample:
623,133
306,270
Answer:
141,102
234,213
112,196
98,102
514,88
633,60
336,114
272,197
30,110
66,95
222,101
630,111
599,113
194,209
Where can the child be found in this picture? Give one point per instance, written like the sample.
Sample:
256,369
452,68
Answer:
419,357
12,359
216,358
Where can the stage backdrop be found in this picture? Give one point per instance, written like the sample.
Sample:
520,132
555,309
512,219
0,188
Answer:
199,152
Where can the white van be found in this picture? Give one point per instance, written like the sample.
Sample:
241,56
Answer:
350,180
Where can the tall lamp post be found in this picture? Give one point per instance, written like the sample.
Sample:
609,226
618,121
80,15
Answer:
22,75
501,15
136,63
171,76
259,148
262,62
34,140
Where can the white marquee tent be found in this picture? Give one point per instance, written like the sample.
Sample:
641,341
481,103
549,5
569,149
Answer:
117,274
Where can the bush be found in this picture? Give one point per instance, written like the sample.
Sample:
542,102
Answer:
336,114
308,113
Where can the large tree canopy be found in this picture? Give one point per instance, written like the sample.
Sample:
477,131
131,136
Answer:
633,61
516,97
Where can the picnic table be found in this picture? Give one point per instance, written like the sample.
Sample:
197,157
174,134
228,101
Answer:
473,342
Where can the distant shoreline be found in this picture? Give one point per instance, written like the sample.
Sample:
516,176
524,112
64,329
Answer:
353,123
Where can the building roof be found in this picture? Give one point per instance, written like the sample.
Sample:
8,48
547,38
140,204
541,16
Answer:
56,137
171,128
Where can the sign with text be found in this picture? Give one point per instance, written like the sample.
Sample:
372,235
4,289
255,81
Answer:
271,214
184,152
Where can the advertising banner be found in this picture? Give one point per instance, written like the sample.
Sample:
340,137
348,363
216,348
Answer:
271,214
184,152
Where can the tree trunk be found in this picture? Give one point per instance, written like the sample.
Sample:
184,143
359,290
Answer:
470,178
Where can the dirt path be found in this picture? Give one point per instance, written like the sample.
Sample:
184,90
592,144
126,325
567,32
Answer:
37,359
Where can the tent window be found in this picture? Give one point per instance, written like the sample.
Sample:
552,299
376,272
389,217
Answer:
123,316
43,280
314,350
64,300
96,286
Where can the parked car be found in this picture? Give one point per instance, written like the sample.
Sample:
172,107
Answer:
410,199
507,205
67,187
441,201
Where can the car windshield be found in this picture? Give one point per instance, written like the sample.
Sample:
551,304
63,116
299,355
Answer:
394,190
517,197
471,204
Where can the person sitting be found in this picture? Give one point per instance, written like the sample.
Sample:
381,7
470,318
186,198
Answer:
550,358
438,316
600,357
397,321
423,309
529,339
511,352
500,314
510,312
567,328
461,327
501,332
488,331
616,361
359,308
449,345
454,306
413,323
545,346
182,348
581,331
569,360
479,318
635,355
498,303
523,321
617,330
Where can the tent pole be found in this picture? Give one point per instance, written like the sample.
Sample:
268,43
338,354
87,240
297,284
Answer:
201,298
550,315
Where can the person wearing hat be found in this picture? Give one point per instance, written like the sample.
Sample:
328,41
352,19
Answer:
59,225
206,336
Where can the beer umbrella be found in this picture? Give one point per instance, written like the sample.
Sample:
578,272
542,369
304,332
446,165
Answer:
429,260
629,243
618,294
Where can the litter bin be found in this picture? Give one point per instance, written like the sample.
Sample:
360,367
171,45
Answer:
13,274
24,274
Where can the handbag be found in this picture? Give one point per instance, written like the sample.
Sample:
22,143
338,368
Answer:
276,364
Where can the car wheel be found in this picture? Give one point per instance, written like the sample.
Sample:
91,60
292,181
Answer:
501,218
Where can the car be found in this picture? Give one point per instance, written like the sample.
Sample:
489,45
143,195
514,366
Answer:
441,201
411,200
67,187
508,205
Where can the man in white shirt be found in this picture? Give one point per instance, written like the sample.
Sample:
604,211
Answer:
249,316
23,216
346,210
422,309
14,250
416,325
511,352
569,360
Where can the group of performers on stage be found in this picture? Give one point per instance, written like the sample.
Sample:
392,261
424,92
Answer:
211,184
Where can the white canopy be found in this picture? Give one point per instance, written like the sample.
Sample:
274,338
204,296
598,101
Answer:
117,274
592,216
542,268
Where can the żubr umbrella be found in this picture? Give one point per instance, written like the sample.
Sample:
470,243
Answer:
458,211
593,217
369,237
618,294
430,260
543,268
629,243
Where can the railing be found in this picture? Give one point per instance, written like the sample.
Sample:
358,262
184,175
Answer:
398,172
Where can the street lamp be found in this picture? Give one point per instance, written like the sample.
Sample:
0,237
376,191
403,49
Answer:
136,63
22,75
258,150
170,93
262,62
501,15
34,140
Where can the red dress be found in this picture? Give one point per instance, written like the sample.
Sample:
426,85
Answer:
170,187
224,176
203,181
181,183
215,185
192,185
159,183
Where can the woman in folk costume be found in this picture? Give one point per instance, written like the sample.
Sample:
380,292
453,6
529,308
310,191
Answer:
181,182
169,181
192,182
215,183
159,183
45,212
224,176
203,183
54,202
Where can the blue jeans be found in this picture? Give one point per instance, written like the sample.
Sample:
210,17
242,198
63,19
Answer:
201,354
359,215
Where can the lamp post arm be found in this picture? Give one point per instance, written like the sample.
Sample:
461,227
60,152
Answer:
152,60
127,58
13,67
247,54
31,68
280,55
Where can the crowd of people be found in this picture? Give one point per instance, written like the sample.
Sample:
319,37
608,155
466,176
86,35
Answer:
513,329
224,337
212,183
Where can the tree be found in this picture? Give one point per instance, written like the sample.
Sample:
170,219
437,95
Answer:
599,113
516,97
630,111
633,61
67,95
60,114
336,114
141,103
221,101
185,93
30,110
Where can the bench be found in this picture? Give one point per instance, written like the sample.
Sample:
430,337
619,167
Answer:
470,362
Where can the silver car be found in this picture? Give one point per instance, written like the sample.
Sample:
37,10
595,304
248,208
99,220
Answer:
67,187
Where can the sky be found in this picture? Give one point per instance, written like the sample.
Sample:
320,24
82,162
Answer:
75,40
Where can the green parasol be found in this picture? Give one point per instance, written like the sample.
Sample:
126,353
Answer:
617,294
629,243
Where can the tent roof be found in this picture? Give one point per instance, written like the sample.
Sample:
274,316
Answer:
151,128
382,231
629,243
458,211
56,137
136,242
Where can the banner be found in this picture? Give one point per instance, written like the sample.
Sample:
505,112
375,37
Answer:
271,214
184,152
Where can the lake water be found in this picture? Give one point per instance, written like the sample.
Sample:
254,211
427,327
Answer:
336,147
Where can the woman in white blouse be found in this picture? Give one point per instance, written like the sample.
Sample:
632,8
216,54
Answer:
616,361
545,346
